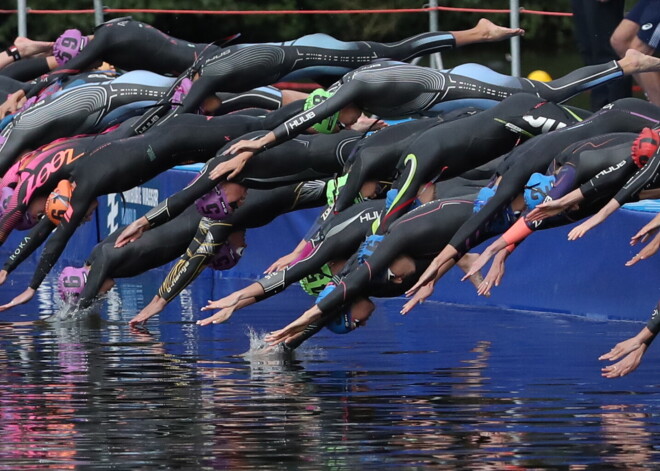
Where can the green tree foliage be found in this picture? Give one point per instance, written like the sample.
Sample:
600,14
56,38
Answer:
541,30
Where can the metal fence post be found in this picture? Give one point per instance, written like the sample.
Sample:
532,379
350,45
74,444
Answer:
98,12
436,58
22,17
514,16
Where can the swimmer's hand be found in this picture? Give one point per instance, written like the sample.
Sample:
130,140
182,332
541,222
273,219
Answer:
219,317
421,295
22,298
648,251
634,348
156,306
12,104
366,124
132,232
310,316
3,276
231,167
281,263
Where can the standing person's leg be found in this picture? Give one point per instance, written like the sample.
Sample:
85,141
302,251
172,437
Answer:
640,30
594,23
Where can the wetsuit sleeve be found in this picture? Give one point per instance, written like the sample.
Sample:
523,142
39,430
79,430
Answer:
654,323
57,242
26,69
643,177
608,180
38,234
356,281
344,96
210,234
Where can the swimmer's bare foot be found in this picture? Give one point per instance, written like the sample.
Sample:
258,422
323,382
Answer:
490,32
29,48
465,263
635,62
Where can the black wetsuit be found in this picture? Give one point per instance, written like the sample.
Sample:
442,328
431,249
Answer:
625,115
305,158
26,69
128,45
260,208
452,148
119,166
392,90
85,109
246,66
420,234
153,249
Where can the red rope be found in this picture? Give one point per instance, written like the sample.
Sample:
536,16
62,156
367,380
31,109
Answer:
284,12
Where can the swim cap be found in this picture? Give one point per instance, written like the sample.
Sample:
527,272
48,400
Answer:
537,189
59,201
181,91
71,282
5,195
484,195
69,45
214,204
343,322
645,146
314,283
226,257
318,96
27,221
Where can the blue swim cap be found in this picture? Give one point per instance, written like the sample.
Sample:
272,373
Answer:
484,195
318,96
537,188
342,323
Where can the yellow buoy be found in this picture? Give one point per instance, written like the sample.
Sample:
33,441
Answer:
540,75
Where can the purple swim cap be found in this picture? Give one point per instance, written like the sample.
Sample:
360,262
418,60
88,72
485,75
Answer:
71,282
214,204
68,46
226,257
5,195
181,91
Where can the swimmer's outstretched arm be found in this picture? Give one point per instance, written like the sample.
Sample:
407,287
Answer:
605,212
485,31
642,236
225,312
311,316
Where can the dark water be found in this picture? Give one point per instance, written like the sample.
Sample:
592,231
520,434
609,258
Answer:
447,387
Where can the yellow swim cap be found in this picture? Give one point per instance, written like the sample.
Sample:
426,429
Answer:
539,75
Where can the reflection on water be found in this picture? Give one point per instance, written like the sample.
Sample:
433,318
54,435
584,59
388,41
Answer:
444,388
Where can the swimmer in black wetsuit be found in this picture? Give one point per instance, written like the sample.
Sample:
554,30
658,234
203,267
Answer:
643,184
626,115
260,208
392,89
582,165
86,109
113,167
26,59
409,245
247,66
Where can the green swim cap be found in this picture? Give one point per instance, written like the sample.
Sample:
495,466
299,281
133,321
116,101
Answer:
318,96
333,188
313,284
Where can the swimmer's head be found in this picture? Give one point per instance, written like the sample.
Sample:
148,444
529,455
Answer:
314,283
59,201
69,45
537,188
351,317
221,201
71,282
329,124
645,146
181,91
29,218
229,253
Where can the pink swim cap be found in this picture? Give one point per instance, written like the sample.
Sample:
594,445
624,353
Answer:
71,282
69,45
